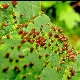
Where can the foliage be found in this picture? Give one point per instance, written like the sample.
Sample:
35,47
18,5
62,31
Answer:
31,48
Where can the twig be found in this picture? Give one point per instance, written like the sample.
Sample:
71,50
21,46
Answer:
77,4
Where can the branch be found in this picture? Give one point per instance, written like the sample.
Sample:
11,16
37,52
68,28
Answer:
77,4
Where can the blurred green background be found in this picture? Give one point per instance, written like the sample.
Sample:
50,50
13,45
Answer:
65,14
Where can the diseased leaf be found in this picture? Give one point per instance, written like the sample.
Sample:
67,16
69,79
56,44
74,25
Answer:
31,48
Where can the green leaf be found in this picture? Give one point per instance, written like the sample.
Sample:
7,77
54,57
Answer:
66,13
50,3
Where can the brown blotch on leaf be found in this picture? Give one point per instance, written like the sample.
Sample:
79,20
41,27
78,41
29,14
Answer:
23,34
5,69
47,24
7,54
14,3
52,66
17,60
31,49
52,40
59,68
49,44
23,41
26,24
20,32
25,65
47,62
16,68
31,64
70,50
8,36
72,71
14,15
53,28
12,47
37,44
2,42
45,47
24,76
32,41
47,55
38,77
0,37
40,56
19,46
11,59
4,24
5,6
15,21
50,34
21,15
60,30
45,65
21,56
56,35
62,62
34,17
69,77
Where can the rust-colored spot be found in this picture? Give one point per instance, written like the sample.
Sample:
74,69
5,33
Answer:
17,60
31,64
21,56
5,6
47,62
23,34
12,47
31,41
31,49
0,37
56,35
49,44
7,54
50,34
4,24
25,65
8,36
52,40
60,30
19,46
53,28
45,47
14,15
14,3
5,69
37,44
23,41
34,17
42,43
38,77
59,68
20,32
47,24
16,68
21,15
69,77
24,76
15,21
47,55
40,56
2,42
10,59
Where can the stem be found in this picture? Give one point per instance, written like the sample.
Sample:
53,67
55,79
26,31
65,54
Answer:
77,4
